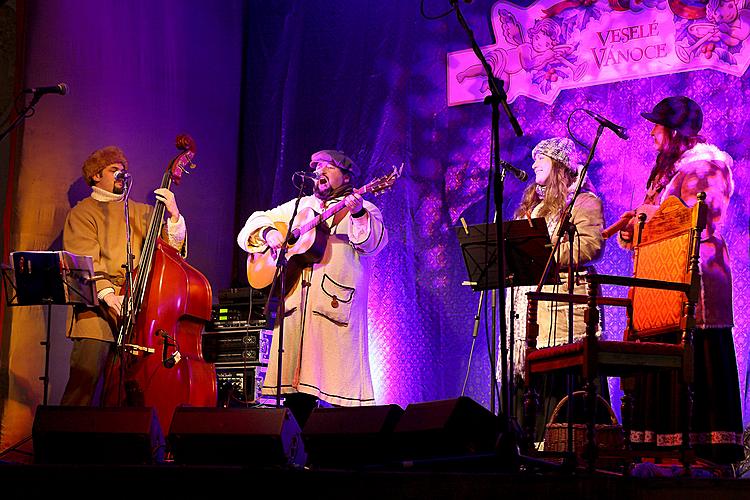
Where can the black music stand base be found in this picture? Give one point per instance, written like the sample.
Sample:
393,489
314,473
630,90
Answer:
47,345
44,379
526,249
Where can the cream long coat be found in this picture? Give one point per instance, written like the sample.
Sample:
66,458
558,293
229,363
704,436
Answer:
325,332
707,168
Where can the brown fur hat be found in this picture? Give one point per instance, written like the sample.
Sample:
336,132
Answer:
101,159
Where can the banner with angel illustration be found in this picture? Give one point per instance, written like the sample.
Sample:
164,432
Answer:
555,45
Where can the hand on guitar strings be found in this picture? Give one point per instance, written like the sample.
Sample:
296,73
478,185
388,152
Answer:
354,203
274,239
626,233
631,217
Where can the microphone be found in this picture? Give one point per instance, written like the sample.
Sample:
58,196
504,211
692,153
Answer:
620,131
168,361
60,89
312,176
520,174
122,175
309,175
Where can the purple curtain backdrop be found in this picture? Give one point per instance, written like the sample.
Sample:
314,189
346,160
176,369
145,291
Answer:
266,90
369,77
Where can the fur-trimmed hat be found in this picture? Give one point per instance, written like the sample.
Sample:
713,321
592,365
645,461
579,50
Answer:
336,158
677,113
101,159
561,149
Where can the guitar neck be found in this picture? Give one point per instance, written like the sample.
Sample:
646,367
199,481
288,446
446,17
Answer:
329,212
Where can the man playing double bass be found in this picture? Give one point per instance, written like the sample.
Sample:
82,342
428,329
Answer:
325,352
96,227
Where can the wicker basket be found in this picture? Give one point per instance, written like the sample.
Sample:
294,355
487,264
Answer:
608,436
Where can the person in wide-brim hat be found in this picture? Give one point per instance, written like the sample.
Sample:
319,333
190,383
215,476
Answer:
678,113
685,166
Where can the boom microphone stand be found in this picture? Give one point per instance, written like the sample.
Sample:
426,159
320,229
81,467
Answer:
508,440
127,301
27,111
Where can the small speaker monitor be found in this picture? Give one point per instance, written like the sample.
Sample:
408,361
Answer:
85,435
350,437
237,436
446,428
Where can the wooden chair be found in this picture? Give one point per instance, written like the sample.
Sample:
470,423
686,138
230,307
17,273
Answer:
662,298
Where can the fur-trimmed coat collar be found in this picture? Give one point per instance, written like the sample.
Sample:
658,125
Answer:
704,152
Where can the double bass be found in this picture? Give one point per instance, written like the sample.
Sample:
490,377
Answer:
159,359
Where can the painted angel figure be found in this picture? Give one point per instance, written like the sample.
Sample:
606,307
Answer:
726,25
543,52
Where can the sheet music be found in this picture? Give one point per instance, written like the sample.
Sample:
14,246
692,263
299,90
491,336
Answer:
53,277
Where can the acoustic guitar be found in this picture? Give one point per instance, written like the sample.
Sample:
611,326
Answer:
307,242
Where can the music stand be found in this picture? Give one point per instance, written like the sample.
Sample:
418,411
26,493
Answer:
527,249
50,278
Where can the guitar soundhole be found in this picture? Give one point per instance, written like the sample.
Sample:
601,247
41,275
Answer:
293,239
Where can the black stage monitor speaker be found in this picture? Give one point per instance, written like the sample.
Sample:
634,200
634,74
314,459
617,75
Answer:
238,436
85,435
350,437
444,429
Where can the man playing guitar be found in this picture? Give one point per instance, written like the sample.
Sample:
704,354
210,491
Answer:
325,353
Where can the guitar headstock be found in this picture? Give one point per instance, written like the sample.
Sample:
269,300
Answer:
184,159
383,183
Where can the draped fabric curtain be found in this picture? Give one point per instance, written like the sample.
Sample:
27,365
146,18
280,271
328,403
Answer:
369,77
261,86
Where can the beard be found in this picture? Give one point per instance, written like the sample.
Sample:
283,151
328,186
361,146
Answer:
323,191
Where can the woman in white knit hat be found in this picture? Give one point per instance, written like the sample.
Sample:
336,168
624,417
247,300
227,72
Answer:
556,175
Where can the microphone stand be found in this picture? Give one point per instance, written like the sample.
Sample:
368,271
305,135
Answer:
565,226
279,282
508,441
21,116
127,304
565,220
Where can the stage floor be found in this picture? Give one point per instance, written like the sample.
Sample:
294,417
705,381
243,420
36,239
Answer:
470,478
80,461
167,480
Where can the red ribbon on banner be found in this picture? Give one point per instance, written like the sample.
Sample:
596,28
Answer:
566,4
686,9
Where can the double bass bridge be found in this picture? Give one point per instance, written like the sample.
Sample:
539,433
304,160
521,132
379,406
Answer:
136,349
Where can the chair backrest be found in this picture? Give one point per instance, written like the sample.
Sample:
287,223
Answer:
667,249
